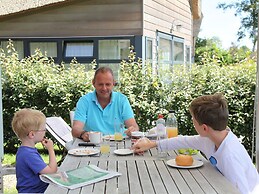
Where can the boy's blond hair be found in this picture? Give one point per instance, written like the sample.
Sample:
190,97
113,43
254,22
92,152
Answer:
26,120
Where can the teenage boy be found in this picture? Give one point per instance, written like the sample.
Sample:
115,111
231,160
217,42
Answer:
220,145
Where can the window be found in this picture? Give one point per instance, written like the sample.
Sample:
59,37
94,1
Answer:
50,48
114,49
79,49
166,50
178,51
188,57
188,54
85,49
164,53
149,50
18,46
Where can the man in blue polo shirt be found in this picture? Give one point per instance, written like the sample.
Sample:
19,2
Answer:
98,110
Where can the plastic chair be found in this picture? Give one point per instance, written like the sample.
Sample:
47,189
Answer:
71,115
61,131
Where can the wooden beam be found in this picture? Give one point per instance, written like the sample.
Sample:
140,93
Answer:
196,9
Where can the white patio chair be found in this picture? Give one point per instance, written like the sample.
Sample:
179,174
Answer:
60,130
71,115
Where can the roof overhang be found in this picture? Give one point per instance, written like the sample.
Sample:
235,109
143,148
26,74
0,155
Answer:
196,9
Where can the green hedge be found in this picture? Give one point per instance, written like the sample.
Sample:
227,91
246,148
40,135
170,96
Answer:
39,83
149,96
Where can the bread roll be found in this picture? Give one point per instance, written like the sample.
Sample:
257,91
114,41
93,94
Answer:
184,160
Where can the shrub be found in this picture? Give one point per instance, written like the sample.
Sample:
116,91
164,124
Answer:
36,82
54,89
150,96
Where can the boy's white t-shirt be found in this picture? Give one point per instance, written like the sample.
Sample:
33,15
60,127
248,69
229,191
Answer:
232,159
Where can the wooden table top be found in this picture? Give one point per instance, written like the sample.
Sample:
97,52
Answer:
145,174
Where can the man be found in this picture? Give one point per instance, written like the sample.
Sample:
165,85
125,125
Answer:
101,109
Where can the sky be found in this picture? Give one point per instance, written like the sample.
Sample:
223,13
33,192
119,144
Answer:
220,23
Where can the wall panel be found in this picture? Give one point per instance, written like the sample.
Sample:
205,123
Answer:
80,18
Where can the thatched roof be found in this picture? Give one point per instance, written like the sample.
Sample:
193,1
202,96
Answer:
13,6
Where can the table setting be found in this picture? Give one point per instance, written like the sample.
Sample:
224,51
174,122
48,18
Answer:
146,173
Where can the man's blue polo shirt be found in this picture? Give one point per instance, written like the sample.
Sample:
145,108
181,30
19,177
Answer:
89,111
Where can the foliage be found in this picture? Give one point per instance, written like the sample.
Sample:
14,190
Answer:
209,51
37,82
144,90
247,11
150,96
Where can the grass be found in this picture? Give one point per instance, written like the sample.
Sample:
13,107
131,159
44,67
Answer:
9,159
10,190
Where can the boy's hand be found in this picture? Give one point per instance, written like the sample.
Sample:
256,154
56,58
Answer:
142,145
129,130
48,143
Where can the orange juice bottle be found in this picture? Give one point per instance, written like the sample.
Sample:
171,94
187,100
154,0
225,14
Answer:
171,132
171,125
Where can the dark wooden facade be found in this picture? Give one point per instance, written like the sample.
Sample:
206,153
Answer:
140,19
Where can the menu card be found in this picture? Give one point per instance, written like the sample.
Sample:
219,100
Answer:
79,177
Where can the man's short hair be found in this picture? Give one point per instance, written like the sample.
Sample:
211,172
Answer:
103,70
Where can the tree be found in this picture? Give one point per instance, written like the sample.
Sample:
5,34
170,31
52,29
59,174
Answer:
210,51
247,11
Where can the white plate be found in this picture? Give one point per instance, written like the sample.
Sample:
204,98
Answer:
196,164
83,151
111,137
137,134
123,152
151,135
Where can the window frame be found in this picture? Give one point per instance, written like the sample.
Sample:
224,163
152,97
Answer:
178,40
83,59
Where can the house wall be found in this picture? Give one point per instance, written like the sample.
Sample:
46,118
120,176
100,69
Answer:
102,18
164,16
77,18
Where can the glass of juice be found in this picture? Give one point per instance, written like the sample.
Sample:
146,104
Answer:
105,146
119,129
171,132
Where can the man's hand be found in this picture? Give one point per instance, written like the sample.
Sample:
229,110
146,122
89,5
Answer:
78,131
85,137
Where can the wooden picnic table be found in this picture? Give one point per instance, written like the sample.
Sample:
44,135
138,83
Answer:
145,174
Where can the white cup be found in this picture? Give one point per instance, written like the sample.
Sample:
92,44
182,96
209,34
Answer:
95,137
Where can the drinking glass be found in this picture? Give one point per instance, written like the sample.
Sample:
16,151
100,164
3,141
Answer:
119,129
105,146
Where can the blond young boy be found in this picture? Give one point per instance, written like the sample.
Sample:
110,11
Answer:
30,126
219,144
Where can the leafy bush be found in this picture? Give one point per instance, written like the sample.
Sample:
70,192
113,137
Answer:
150,96
209,51
39,83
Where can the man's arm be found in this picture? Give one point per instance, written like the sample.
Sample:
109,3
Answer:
78,131
131,126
